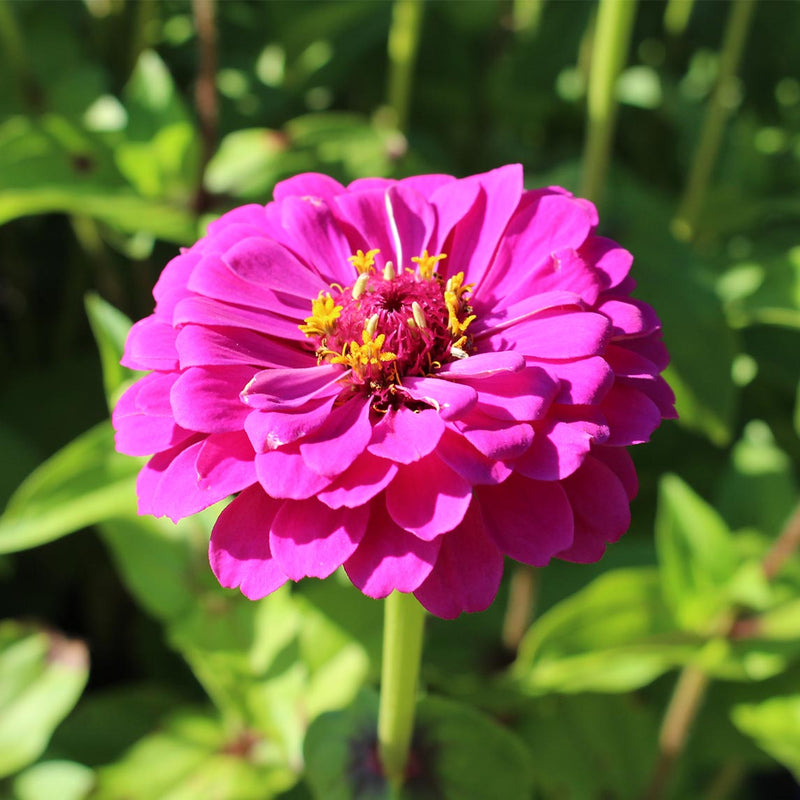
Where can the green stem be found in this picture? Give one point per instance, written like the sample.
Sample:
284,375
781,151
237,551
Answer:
13,47
521,605
526,15
402,48
402,650
612,36
719,108
676,16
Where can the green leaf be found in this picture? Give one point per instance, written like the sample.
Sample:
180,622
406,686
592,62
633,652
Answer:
110,328
697,556
195,756
82,484
42,675
775,725
457,754
65,780
614,635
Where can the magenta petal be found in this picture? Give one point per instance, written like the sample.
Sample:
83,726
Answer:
632,416
600,507
612,261
309,539
207,398
468,462
585,381
276,389
414,221
405,436
171,286
481,365
252,214
226,462
519,396
365,217
269,430
495,438
619,461
630,317
428,498
452,400
389,558
150,345
308,184
284,474
239,549
265,262
530,521
467,572
336,444
366,477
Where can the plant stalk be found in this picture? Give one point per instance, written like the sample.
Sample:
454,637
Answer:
204,12
402,49
403,627
521,607
609,51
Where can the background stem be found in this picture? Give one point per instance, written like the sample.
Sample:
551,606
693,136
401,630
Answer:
402,48
204,12
403,626
609,51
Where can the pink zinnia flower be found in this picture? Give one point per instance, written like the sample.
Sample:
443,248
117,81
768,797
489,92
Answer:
410,378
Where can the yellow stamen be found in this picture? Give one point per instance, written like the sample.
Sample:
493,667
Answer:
419,316
456,304
364,262
427,264
359,357
371,326
324,313
360,286
389,273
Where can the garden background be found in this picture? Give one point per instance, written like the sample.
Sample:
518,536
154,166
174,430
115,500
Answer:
126,672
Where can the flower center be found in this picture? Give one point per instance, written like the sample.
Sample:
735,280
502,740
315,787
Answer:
392,324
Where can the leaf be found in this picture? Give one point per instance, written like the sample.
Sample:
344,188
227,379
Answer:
42,675
775,725
614,635
82,484
457,754
697,556
110,328
65,780
195,756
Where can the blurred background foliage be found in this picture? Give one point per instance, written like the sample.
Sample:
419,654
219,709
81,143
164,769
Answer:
124,128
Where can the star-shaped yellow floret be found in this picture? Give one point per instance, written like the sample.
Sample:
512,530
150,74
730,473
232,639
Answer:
360,357
364,262
324,313
427,264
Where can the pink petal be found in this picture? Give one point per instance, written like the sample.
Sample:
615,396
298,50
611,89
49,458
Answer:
600,507
451,400
336,444
472,465
365,220
428,498
482,365
150,345
389,558
284,474
226,463
608,258
414,219
405,436
366,477
496,317
207,398
518,396
452,201
632,416
308,539
277,389
250,214
172,283
530,521
200,346
467,572
239,549
629,317
269,430
619,461
585,381
308,184
494,438
426,185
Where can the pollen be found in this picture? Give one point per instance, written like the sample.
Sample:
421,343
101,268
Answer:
427,264
364,262
324,313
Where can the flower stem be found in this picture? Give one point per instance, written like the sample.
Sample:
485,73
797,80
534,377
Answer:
609,50
403,627
402,47
722,101
204,12
676,17
521,605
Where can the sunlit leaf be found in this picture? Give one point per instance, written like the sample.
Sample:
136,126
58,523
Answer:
775,725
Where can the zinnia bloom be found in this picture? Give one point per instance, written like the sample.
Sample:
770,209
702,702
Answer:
412,379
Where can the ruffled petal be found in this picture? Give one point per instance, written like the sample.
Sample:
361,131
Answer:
451,400
284,474
308,184
239,549
269,430
405,436
226,463
150,345
309,539
467,572
469,463
367,476
207,398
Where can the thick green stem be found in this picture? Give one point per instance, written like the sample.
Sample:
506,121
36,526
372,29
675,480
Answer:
609,51
526,15
719,107
403,45
676,17
403,627
521,604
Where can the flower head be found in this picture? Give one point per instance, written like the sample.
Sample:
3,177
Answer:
412,379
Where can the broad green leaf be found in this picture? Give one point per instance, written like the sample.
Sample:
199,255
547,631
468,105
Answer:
65,780
110,328
42,675
775,725
195,756
557,727
614,635
697,556
82,484
457,754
